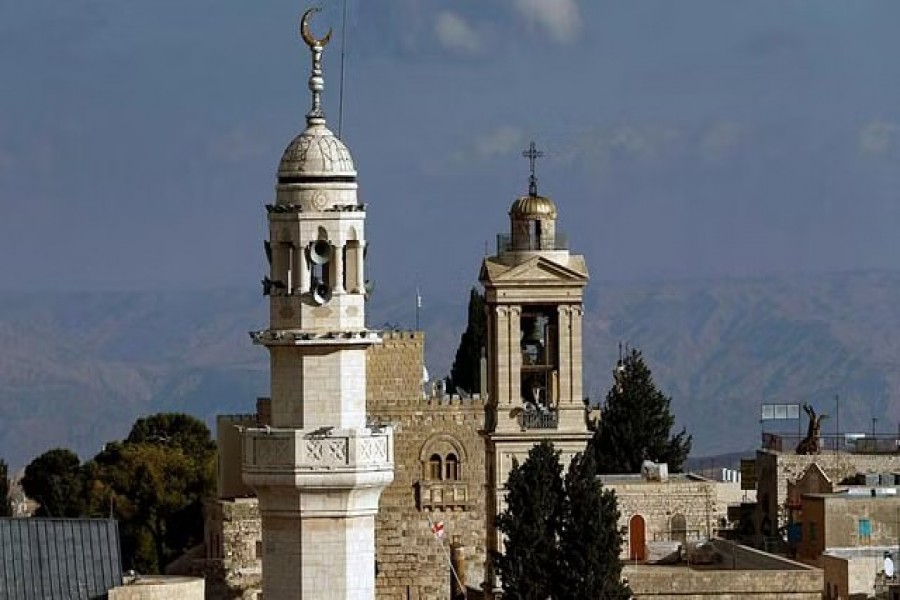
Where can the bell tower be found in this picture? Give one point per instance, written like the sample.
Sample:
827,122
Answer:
318,471
534,299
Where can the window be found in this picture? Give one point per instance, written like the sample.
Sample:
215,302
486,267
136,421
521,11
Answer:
451,469
434,467
865,531
812,532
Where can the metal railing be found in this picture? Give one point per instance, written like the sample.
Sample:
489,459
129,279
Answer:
559,242
850,443
539,419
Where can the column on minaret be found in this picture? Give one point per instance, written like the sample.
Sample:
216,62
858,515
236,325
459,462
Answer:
302,269
360,267
337,268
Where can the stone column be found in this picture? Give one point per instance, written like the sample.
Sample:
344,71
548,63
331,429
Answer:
337,269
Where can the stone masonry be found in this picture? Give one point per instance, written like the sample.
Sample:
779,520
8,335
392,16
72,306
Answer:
775,469
411,562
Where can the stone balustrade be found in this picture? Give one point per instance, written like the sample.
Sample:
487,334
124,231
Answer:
270,449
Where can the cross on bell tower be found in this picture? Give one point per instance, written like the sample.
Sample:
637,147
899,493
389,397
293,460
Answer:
532,154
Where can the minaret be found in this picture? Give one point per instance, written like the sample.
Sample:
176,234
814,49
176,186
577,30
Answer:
534,299
318,470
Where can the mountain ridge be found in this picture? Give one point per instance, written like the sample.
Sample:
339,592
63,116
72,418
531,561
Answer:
76,369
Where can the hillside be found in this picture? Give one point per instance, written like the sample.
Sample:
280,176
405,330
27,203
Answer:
77,369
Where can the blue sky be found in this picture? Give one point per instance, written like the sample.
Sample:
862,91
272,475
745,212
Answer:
138,140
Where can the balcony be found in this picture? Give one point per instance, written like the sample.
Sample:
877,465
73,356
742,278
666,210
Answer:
559,242
539,418
443,495
850,443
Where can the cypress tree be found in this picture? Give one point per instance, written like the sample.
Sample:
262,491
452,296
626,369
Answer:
466,370
590,541
529,565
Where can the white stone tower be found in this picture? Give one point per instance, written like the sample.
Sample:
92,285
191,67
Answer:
318,470
534,299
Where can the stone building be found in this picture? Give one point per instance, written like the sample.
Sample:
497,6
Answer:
776,470
533,290
679,508
350,429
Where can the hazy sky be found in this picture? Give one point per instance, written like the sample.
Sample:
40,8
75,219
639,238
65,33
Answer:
138,140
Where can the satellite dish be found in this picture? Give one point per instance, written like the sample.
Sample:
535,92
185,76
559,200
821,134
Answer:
888,567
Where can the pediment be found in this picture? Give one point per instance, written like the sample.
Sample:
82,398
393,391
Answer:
536,270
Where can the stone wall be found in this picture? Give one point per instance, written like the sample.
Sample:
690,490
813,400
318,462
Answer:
755,575
411,562
776,469
657,502
232,566
156,587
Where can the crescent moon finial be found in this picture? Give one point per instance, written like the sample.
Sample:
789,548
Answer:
316,81
307,35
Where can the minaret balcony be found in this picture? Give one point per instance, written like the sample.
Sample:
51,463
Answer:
271,454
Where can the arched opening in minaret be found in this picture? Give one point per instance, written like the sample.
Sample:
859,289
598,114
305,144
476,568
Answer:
321,259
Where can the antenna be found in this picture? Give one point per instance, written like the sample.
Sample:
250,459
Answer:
341,86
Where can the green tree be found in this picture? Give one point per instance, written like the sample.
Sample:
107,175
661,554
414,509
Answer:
175,430
589,541
529,565
54,480
636,422
466,370
5,504
155,483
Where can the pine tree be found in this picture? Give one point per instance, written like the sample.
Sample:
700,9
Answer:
589,540
636,422
54,480
529,565
5,504
466,371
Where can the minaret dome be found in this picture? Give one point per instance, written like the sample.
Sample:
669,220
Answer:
316,171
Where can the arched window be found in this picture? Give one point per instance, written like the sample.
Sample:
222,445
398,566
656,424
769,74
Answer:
451,468
434,467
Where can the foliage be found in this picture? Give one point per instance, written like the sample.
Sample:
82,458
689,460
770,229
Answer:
466,370
561,538
5,504
155,483
55,481
636,422
175,430
530,563
589,541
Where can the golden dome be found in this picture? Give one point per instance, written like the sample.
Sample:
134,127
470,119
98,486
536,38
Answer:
533,207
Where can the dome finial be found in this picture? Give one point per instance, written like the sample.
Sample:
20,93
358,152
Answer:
316,81
532,154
